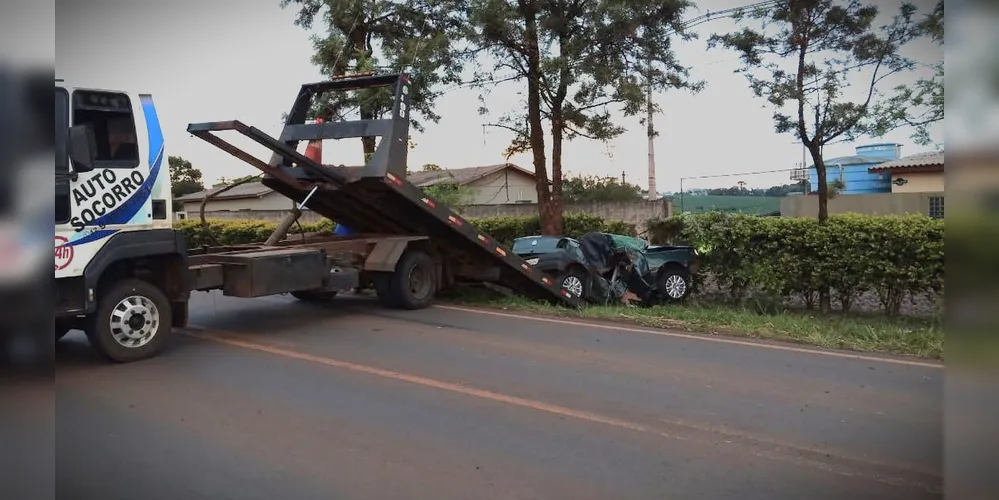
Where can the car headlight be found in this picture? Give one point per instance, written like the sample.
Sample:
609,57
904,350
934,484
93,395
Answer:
533,261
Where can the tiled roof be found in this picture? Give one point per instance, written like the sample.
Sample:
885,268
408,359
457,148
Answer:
422,179
844,161
918,160
242,191
460,176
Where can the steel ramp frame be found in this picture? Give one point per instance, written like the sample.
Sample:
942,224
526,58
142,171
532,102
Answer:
375,198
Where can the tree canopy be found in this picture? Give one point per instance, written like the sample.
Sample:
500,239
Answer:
184,178
921,104
591,188
803,56
383,35
577,58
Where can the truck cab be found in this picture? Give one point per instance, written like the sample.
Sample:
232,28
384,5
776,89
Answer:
119,264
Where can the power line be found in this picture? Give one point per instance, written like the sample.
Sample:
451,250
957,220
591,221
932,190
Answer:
777,171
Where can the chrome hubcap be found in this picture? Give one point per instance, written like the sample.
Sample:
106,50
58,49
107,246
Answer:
675,286
134,321
574,285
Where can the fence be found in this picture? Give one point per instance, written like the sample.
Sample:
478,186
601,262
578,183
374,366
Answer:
930,204
308,216
633,212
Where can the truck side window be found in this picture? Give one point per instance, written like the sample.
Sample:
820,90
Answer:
62,205
110,114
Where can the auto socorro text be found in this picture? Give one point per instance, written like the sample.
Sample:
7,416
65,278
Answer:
102,193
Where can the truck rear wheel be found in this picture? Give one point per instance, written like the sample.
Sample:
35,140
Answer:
132,321
413,285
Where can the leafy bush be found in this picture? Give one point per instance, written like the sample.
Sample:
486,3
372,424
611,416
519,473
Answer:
503,229
893,256
506,229
238,232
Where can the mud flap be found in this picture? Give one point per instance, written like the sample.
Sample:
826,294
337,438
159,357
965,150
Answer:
180,314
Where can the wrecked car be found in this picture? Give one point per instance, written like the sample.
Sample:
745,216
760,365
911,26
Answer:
606,267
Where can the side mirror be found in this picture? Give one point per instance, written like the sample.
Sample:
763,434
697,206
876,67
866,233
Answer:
82,147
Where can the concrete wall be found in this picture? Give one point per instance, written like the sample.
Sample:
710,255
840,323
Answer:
270,201
871,204
507,186
919,182
268,215
636,212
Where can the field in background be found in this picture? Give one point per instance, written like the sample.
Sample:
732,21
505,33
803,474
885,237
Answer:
744,204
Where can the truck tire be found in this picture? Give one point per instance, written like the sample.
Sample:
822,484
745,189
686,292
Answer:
131,323
413,285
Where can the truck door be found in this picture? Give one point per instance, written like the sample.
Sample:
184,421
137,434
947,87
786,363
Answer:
98,197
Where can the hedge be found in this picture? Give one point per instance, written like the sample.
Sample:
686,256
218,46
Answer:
238,232
506,229
503,229
894,257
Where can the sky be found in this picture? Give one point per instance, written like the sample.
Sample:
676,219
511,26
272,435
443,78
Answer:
245,59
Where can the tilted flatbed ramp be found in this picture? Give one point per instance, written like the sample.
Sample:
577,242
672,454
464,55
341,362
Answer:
377,198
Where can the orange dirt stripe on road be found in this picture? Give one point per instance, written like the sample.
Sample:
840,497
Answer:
779,451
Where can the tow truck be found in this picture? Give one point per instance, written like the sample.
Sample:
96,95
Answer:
124,275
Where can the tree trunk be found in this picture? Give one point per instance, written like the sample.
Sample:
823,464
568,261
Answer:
556,204
367,143
537,138
825,301
209,195
558,133
823,188
359,39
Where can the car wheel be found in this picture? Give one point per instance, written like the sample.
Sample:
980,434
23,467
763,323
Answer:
673,284
574,282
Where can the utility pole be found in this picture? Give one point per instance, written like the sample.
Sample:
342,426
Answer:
653,194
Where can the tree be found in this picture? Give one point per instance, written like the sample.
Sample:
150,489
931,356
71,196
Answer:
450,194
184,178
367,35
431,167
590,188
828,43
922,104
577,57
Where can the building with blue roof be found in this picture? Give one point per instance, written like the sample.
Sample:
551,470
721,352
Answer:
855,171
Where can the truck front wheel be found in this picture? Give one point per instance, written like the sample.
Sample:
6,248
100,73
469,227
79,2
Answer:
132,321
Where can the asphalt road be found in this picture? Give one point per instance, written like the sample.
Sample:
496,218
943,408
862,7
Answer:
275,399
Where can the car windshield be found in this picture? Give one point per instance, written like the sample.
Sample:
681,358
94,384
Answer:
535,245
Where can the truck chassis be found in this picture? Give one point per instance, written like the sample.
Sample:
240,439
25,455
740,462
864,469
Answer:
408,246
